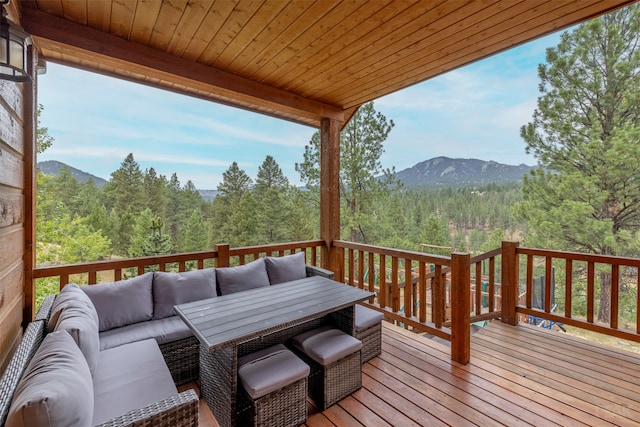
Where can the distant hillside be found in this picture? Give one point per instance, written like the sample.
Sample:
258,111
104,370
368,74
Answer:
208,194
52,167
447,172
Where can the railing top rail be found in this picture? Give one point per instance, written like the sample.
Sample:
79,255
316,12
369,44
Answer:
413,255
54,270
486,255
276,247
577,256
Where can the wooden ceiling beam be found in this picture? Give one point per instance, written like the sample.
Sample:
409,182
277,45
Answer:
57,34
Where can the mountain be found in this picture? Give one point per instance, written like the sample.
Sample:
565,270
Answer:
52,167
447,172
208,194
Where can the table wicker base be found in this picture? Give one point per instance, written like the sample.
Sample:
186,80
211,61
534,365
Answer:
286,407
332,383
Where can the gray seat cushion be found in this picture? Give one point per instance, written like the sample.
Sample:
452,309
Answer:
269,370
326,344
286,268
123,302
171,289
56,389
366,318
242,278
162,330
129,377
70,296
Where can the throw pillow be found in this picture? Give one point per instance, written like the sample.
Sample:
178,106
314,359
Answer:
78,322
242,278
286,268
171,289
123,302
56,388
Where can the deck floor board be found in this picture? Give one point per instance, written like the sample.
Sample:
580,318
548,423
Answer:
517,376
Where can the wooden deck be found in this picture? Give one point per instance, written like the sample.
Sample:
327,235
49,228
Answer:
517,376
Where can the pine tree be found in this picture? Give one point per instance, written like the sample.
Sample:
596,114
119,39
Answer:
125,190
585,134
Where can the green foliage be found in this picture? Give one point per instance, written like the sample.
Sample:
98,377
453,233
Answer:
125,191
43,139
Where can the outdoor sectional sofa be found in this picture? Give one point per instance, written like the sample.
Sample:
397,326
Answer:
124,327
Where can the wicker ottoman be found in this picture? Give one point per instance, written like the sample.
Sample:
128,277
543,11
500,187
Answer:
368,325
334,357
274,388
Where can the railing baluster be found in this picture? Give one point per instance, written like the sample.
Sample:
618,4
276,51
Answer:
372,273
438,301
547,284
615,294
529,281
568,287
382,295
590,290
395,291
350,267
93,277
64,280
361,269
117,274
408,289
638,300
182,266
492,284
478,287
422,297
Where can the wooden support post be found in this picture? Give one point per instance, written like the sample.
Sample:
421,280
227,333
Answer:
223,255
330,195
460,301
510,269
30,122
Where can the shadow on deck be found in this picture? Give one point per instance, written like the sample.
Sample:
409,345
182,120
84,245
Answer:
517,376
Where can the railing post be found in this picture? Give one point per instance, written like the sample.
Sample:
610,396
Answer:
223,255
460,300
509,288
330,195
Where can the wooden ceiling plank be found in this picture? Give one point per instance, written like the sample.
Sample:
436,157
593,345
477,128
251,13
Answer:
355,27
213,21
87,42
75,10
99,14
144,21
447,33
563,16
122,13
189,24
240,15
408,29
312,14
249,59
248,38
168,18
53,7
289,59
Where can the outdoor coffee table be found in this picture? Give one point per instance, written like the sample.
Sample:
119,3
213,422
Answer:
243,322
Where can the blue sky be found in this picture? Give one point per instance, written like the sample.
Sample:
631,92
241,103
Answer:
472,112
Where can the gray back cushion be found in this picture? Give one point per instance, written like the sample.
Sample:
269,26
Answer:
123,302
242,278
83,328
56,389
70,296
171,289
286,268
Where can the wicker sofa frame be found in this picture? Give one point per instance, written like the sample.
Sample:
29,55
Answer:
180,410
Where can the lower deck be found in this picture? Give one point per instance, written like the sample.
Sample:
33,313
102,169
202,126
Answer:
517,376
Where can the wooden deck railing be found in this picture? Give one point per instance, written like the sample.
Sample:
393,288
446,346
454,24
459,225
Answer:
222,256
581,276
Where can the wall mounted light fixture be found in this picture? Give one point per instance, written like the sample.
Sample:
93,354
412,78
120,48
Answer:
13,49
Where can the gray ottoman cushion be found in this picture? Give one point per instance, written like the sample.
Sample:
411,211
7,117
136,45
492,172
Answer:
326,344
269,370
366,318
171,289
162,330
242,278
55,389
286,268
141,378
123,302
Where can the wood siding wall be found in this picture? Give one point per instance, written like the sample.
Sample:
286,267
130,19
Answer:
17,158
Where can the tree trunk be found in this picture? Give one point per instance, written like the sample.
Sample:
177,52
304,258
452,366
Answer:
604,309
